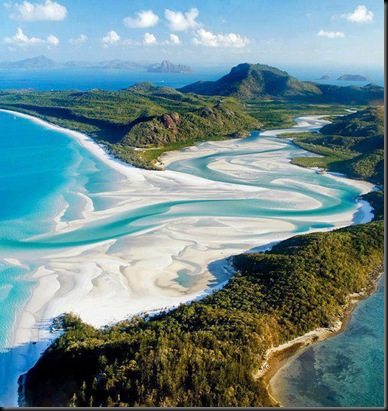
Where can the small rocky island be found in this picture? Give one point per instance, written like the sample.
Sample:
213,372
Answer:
168,67
325,77
353,77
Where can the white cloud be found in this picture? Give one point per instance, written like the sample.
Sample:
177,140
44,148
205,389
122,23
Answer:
78,40
111,39
174,39
145,18
331,34
359,15
209,39
21,40
49,10
177,21
149,39
52,40
7,5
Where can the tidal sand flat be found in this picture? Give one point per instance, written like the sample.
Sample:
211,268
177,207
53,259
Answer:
84,233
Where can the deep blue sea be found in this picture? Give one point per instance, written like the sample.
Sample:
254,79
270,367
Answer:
104,79
112,79
42,170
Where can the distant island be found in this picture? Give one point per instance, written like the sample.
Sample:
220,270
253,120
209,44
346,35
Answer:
168,67
109,64
43,62
39,62
353,77
325,77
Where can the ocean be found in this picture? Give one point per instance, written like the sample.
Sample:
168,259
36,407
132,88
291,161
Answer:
46,176
113,79
344,371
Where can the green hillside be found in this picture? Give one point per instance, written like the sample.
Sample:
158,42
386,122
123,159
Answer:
352,144
247,81
206,353
142,116
259,81
368,122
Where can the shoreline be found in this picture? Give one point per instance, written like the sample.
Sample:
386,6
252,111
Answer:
130,172
278,357
60,285
86,141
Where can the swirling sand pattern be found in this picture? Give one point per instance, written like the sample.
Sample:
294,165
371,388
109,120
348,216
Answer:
106,240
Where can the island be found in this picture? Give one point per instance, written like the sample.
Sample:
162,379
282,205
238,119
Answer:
216,351
167,67
325,77
353,77
39,62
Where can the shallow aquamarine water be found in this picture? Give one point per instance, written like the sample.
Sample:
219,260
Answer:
43,172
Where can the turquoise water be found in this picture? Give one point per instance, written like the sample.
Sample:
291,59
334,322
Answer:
344,371
45,173
41,171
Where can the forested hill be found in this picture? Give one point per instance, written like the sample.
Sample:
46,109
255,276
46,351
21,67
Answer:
141,116
352,144
259,81
247,81
365,123
206,353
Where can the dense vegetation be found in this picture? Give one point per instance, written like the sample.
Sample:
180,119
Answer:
366,123
352,144
281,114
259,81
142,117
206,353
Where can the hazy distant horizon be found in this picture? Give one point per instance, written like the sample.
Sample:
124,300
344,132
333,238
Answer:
222,64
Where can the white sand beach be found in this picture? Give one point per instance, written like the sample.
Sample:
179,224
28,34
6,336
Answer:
108,281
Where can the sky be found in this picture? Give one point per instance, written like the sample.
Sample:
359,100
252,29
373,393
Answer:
327,33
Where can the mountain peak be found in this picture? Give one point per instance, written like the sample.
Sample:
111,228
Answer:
248,80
